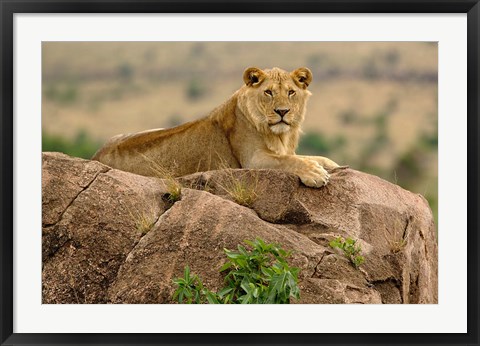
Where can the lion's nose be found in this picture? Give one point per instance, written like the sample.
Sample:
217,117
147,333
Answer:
282,111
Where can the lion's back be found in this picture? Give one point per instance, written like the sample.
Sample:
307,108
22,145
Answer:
188,148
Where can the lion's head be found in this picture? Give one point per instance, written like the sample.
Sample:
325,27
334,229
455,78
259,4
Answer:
275,100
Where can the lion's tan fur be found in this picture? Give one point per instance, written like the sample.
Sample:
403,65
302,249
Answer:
241,133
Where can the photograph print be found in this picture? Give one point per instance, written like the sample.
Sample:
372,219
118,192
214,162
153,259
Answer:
239,172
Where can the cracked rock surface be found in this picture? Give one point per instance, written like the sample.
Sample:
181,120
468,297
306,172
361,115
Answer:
113,237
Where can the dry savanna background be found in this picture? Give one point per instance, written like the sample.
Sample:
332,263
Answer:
374,104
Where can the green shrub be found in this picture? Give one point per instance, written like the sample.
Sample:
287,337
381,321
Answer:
195,89
313,144
125,71
350,249
82,145
65,94
259,276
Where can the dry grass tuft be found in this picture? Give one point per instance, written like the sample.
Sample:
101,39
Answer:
399,242
144,222
174,189
242,189
173,186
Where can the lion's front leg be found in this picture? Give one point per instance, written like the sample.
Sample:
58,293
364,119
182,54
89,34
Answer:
323,161
310,172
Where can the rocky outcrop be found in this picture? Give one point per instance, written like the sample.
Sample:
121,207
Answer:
115,237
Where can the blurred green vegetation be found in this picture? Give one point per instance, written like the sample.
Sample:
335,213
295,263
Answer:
314,143
125,71
63,93
195,89
82,145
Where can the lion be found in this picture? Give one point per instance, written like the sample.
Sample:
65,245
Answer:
258,127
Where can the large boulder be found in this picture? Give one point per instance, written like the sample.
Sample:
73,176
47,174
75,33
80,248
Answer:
115,237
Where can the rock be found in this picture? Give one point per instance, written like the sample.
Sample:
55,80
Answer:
104,217
115,237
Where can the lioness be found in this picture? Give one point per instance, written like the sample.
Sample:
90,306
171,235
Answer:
257,127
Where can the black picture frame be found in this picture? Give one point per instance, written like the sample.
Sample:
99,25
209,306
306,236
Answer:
10,7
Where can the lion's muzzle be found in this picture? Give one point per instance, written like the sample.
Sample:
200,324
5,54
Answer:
281,111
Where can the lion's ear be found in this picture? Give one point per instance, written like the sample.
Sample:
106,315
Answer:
302,77
253,76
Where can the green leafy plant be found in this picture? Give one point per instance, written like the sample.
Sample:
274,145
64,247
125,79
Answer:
258,276
350,248
190,288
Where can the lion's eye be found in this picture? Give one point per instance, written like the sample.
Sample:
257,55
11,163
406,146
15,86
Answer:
268,92
291,92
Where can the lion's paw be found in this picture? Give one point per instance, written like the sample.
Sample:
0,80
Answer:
314,175
325,162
